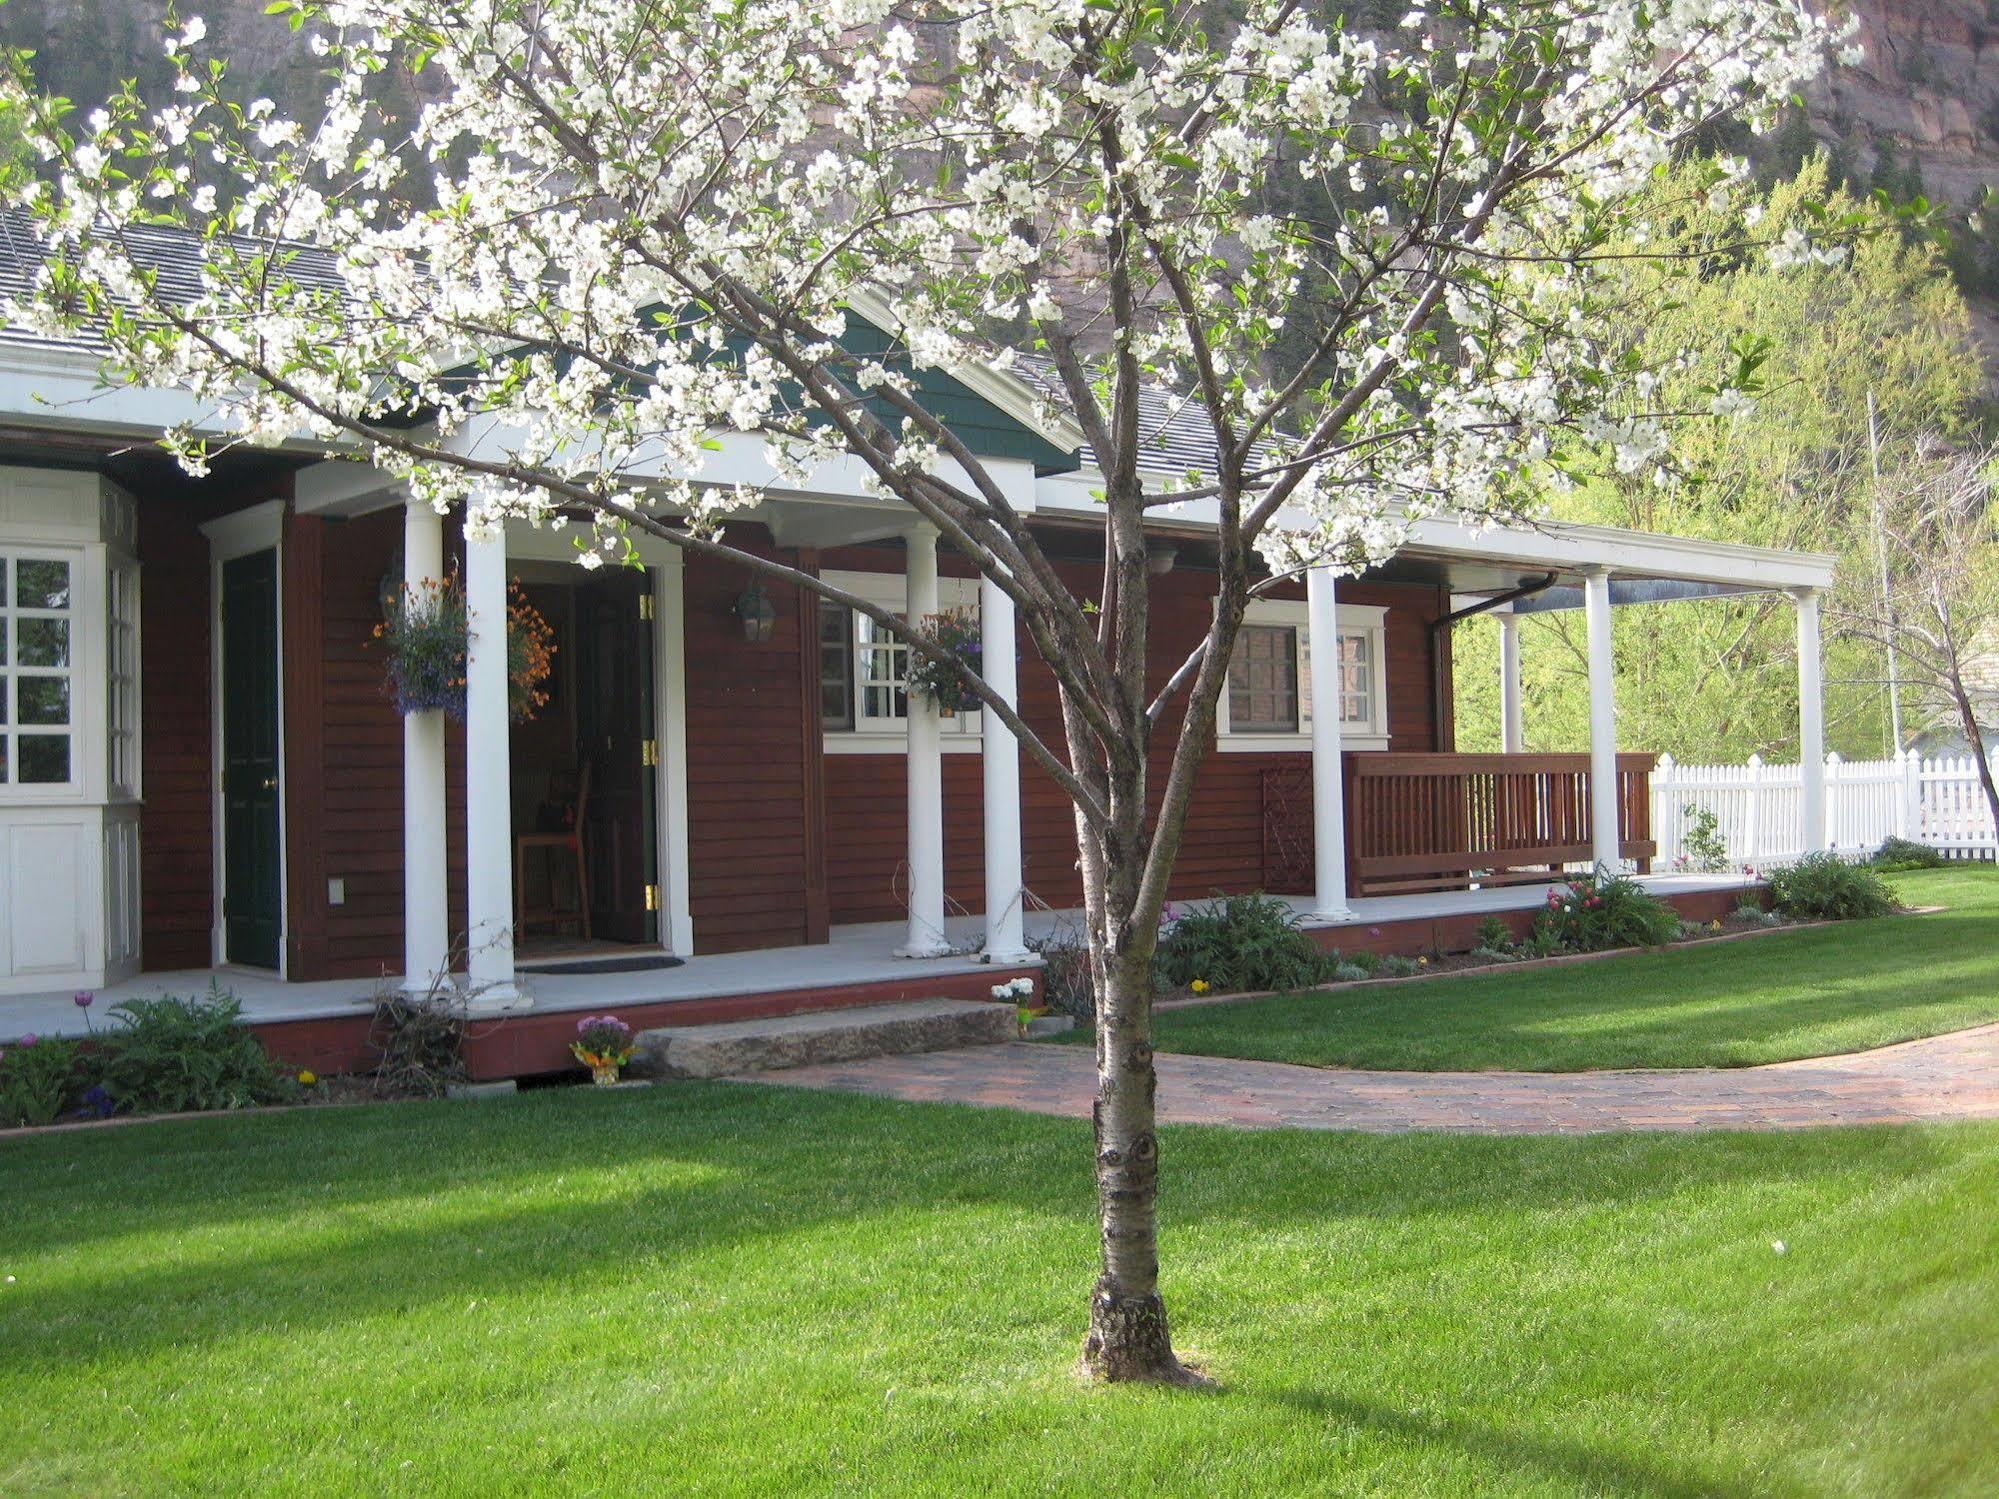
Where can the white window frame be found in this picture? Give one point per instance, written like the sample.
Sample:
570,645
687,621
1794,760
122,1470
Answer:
963,733
124,731
1369,621
84,671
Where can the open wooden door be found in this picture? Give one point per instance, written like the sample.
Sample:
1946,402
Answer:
617,735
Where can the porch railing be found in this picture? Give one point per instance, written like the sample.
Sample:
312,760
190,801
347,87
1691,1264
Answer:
1441,822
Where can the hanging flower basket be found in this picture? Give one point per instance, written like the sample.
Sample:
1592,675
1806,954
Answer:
428,634
950,687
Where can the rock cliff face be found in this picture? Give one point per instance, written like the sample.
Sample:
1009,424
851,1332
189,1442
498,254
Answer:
1928,91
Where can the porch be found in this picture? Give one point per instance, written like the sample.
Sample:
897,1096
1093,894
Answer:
324,1024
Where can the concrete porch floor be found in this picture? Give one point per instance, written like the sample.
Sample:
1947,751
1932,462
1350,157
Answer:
855,955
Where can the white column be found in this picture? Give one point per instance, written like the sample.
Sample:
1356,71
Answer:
1604,850
1512,738
1006,940
925,767
1811,724
426,918
670,683
489,833
1329,813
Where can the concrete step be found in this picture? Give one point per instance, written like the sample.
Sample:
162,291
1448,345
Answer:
819,1036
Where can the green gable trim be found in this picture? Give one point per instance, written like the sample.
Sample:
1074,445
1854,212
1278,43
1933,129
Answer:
988,431
975,421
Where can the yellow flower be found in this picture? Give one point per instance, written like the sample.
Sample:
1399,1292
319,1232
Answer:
1199,986
1422,962
1715,925
307,1076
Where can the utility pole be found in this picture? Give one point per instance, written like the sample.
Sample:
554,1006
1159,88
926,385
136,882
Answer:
1881,556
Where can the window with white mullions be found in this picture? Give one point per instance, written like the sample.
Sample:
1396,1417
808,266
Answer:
1356,678
1268,704
1263,681
836,665
882,668
37,657
864,670
122,667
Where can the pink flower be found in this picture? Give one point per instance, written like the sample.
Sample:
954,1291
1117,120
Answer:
83,999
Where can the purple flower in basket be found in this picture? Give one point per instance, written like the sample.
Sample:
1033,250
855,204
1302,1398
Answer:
603,1032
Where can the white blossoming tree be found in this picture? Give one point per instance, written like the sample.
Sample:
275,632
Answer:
619,229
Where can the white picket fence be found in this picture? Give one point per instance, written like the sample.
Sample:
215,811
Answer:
1756,807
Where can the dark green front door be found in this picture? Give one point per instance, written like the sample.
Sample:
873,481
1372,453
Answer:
251,910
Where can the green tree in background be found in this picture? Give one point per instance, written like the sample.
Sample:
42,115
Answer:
1716,679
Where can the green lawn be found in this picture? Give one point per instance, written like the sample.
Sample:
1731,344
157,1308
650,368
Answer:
716,1288
1733,1004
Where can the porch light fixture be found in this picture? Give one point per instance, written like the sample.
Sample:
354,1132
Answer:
757,613
1160,556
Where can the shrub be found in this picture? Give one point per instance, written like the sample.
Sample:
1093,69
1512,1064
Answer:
1596,912
1904,853
170,1055
1493,935
1242,942
38,1078
1494,954
1703,847
1349,973
1825,887
1396,966
1066,986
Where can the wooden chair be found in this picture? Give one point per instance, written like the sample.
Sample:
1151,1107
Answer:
570,838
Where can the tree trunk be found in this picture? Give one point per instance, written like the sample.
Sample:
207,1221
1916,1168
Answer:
1128,1338
1968,716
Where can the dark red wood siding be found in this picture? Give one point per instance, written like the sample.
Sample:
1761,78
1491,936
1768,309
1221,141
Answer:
866,829
177,757
343,736
754,853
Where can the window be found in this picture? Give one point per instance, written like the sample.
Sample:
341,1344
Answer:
122,668
37,709
1268,704
880,662
836,665
863,692
1356,679
1263,681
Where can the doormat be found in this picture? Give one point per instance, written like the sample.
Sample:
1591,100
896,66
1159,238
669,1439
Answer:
637,963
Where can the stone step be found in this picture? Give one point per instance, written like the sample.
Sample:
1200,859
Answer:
819,1036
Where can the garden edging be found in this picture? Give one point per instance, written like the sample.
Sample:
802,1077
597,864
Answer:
1193,1001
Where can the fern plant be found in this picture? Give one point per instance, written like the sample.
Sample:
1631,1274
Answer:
172,1055
1242,942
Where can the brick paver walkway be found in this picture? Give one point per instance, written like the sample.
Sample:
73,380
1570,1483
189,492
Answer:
1944,1077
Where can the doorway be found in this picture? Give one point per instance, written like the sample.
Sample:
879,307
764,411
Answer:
252,858
585,764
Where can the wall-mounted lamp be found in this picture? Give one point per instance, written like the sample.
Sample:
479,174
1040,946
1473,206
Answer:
1160,557
757,614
